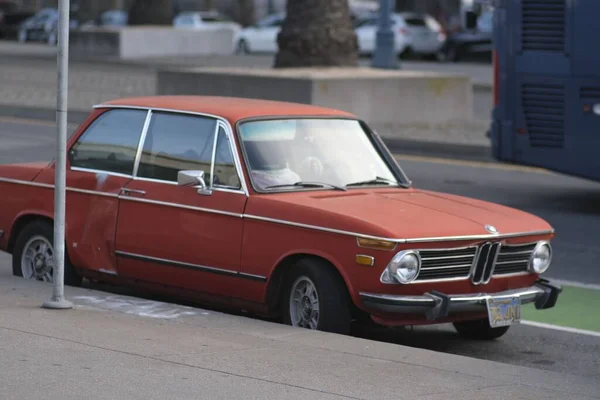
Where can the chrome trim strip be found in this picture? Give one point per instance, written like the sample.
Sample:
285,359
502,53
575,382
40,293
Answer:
314,227
92,192
437,280
224,122
476,237
182,206
27,183
445,267
511,262
141,142
50,186
185,265
252,276
214,155
100,172
512,275
236,157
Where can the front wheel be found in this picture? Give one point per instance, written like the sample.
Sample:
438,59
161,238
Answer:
479,330
315,297
33,257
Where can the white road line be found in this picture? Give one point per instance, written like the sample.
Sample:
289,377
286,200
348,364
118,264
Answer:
579,285
561,328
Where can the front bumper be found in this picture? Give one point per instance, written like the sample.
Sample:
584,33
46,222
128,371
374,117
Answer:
435,305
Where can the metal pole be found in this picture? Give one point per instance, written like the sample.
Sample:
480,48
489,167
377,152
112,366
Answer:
385,50
58,300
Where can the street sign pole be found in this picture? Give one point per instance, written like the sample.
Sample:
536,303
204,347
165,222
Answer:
58,301
385,50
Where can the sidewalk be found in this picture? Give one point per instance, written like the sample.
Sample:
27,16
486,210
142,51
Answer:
112,347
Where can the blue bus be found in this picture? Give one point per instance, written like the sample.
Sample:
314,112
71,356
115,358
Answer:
547,85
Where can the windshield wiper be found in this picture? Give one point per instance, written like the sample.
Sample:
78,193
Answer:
307,184
377,180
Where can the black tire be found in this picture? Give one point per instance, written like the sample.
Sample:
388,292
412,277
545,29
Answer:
46,230
479,330
334,301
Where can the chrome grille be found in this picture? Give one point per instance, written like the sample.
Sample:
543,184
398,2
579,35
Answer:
513,259
484,264
446,263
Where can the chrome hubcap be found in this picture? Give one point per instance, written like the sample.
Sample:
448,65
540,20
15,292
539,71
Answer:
304,304
37,261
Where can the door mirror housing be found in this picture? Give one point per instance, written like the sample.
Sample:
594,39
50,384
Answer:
193,178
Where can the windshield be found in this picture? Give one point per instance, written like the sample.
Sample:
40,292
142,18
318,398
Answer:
309,153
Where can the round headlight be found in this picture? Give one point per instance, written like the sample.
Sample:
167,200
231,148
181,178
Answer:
540,258
405,266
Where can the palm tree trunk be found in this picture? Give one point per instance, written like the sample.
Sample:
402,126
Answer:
151,12
317,33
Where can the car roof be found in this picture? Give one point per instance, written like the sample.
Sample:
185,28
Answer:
230,108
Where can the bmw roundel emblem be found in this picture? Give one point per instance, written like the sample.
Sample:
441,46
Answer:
491,229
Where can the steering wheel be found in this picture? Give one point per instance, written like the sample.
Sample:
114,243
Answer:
312,165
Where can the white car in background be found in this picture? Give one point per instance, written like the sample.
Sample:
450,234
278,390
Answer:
204,20
262,37
413,34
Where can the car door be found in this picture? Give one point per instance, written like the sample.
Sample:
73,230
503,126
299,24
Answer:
100,163
181,235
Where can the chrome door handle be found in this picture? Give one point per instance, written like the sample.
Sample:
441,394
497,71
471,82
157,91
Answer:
127,191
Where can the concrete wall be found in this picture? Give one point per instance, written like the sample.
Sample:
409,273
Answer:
150,41
387,100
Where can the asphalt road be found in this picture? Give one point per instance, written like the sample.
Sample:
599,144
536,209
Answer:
571,205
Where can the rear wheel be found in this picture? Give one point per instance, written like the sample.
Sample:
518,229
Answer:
479,330
33,257
315,297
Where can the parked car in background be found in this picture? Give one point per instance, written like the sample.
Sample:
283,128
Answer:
261,37
290,211
414,33
111,18
42,27
204,20
475,39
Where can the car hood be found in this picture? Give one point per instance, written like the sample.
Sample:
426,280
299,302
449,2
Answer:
397,213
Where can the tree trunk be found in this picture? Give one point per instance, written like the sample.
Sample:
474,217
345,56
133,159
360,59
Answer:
151,12
317,33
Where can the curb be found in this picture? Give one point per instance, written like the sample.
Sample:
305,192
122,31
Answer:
396,146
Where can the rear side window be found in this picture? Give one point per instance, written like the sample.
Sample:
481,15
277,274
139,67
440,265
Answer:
177,142
110,142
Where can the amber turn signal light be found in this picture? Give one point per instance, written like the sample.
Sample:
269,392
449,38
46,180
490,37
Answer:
376,244
368,261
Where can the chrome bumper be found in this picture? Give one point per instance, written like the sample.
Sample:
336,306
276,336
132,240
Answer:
435,305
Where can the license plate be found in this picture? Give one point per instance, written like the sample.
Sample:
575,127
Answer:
504,311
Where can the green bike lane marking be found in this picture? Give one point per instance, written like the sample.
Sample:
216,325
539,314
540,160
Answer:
576,307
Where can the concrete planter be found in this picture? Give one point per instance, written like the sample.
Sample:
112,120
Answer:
150,41
388,100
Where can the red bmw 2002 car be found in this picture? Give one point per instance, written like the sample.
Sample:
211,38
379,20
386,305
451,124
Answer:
284,210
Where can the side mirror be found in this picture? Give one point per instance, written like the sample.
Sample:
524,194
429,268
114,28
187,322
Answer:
193,178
